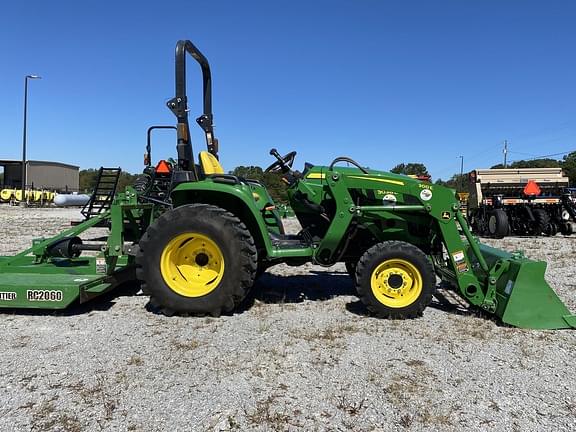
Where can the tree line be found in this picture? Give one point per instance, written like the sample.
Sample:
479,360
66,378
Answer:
89,176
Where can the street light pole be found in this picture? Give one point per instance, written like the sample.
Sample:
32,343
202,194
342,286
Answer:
24,134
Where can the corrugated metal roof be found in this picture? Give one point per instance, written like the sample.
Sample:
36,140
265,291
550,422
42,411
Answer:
37,162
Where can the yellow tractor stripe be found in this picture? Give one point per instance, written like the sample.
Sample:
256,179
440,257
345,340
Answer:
396,182
315,176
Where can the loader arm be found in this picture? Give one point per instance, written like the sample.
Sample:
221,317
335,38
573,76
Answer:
438,204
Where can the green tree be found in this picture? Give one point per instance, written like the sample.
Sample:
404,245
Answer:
569,167
412,168
273,181
89,176
249,172
534,163
88,180
457,181
126,179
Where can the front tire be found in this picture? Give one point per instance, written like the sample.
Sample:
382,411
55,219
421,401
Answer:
395,279
196,259
498,225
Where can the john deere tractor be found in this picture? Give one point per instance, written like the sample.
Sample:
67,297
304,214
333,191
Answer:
197,237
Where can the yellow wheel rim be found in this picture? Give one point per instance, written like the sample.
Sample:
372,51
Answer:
396,283
192,265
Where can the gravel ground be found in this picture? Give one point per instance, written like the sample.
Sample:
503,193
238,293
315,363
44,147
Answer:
302,356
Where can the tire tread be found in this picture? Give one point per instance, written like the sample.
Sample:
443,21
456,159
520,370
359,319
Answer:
248,256
364,292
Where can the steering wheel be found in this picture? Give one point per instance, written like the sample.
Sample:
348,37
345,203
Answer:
283,164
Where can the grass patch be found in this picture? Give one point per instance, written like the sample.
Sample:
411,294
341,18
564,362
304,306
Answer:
434,419
265,414
47,418
330,335
349,406
99,394
475,329
135,361
187,345
415,363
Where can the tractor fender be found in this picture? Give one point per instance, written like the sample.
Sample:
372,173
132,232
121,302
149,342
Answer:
237,199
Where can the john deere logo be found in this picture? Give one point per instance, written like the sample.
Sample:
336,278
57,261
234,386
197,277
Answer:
445,215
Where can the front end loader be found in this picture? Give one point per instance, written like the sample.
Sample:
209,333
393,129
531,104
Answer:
197,238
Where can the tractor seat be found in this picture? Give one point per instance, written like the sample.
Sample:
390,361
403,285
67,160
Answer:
210,164
211,168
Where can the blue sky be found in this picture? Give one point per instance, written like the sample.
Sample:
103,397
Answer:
383,82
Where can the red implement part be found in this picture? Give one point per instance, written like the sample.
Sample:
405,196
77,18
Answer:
532,188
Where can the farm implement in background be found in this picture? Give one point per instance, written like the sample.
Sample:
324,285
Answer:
521,201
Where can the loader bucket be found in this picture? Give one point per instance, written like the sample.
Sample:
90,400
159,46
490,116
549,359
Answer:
524,298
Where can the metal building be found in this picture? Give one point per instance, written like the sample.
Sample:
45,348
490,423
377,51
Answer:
54,176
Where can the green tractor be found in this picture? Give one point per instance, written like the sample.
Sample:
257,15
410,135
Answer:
197,238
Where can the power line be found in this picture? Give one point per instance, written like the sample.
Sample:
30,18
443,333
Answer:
546,156
551,155
554,154
522,153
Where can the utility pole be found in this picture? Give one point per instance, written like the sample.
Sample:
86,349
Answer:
505,152
461,173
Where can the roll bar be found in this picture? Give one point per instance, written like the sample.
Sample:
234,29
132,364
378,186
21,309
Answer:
148,154
179,106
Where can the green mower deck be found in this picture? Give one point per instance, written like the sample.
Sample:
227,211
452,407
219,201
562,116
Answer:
53,286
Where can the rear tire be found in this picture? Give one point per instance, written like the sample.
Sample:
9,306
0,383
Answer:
498,226
541,222
395,279
196,259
